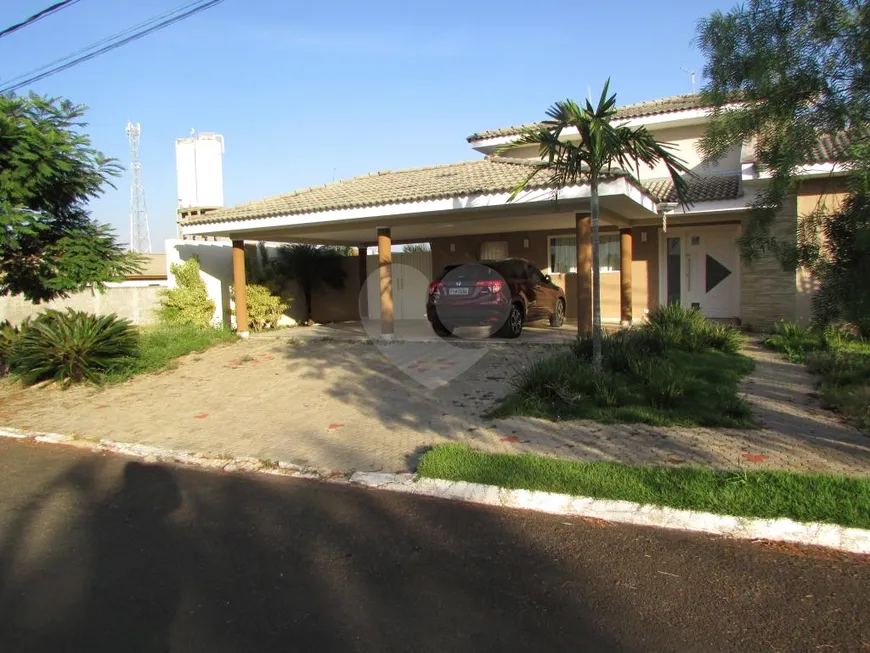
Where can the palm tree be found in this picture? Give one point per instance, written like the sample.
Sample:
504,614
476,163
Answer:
312,268
601,148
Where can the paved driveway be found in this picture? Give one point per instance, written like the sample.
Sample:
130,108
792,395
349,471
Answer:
347,404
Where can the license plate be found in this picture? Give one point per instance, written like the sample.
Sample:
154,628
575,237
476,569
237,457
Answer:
457,291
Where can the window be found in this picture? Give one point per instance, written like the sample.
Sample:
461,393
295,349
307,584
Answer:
493,250
563,253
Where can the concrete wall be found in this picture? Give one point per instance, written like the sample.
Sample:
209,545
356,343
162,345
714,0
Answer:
216,265
533,246
133,301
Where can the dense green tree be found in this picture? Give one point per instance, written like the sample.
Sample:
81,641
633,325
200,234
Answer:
799,69
600,148
49,246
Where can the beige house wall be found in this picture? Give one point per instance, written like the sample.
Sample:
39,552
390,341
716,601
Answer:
825,195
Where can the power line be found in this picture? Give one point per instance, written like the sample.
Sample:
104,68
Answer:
129,30
35,76
57,6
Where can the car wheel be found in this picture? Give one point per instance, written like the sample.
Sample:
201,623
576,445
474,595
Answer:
441,330
513,326
557,319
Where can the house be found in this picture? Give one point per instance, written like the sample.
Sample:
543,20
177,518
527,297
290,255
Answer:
652,251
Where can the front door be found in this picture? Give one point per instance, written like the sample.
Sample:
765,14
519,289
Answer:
702,269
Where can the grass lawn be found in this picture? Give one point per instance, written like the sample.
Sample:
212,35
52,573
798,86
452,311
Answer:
160,346
842,364
697,389
802,497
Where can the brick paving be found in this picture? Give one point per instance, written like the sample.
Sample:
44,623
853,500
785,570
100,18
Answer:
344,405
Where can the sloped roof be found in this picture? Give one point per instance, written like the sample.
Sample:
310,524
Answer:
701,189
639,110
487,176
830,148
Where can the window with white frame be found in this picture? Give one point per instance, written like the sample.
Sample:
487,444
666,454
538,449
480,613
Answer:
563,253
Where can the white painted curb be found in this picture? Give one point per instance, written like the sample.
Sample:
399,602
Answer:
852,540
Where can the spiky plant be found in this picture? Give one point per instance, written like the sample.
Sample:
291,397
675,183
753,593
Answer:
72,346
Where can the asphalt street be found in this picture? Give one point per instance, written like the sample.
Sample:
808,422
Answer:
102,553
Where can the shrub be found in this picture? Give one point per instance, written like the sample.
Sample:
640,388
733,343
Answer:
724,338
188,302
72,347
794,340
8,336
688,329
264,308
664,385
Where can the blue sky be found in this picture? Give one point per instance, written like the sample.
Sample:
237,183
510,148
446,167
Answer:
305,91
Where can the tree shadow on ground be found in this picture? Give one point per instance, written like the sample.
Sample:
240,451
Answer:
103,554
186,561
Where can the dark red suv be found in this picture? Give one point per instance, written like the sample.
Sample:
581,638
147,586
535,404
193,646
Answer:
503,295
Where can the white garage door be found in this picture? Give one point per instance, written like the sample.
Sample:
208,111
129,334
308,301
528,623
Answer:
412,273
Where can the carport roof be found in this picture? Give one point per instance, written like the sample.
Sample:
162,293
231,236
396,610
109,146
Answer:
486,176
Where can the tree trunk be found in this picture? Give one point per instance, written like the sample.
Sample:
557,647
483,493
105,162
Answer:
306,290
596,279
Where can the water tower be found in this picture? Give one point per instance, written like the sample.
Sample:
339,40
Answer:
199,169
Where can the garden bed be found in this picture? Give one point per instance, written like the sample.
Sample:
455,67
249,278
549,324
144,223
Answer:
842,362
678,369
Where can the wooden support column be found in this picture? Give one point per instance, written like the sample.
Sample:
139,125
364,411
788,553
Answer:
625,258
385,274
584,272
239,289
362,273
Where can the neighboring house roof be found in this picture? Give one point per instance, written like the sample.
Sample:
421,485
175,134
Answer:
486,176
153,267
639,110
701,189
830,149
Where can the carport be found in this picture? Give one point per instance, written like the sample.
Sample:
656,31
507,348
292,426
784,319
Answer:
410,206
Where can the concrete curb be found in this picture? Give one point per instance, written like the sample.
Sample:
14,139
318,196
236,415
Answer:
851,540
152,454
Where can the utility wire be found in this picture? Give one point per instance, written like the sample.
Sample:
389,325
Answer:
129,30
57,6
71,60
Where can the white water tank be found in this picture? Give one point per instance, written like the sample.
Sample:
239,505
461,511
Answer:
199,167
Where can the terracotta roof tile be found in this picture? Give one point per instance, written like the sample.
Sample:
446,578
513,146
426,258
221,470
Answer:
437,182
639,110
701,189
486,176
830,149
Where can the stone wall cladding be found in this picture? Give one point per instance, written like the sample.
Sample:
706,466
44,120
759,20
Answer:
769,293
